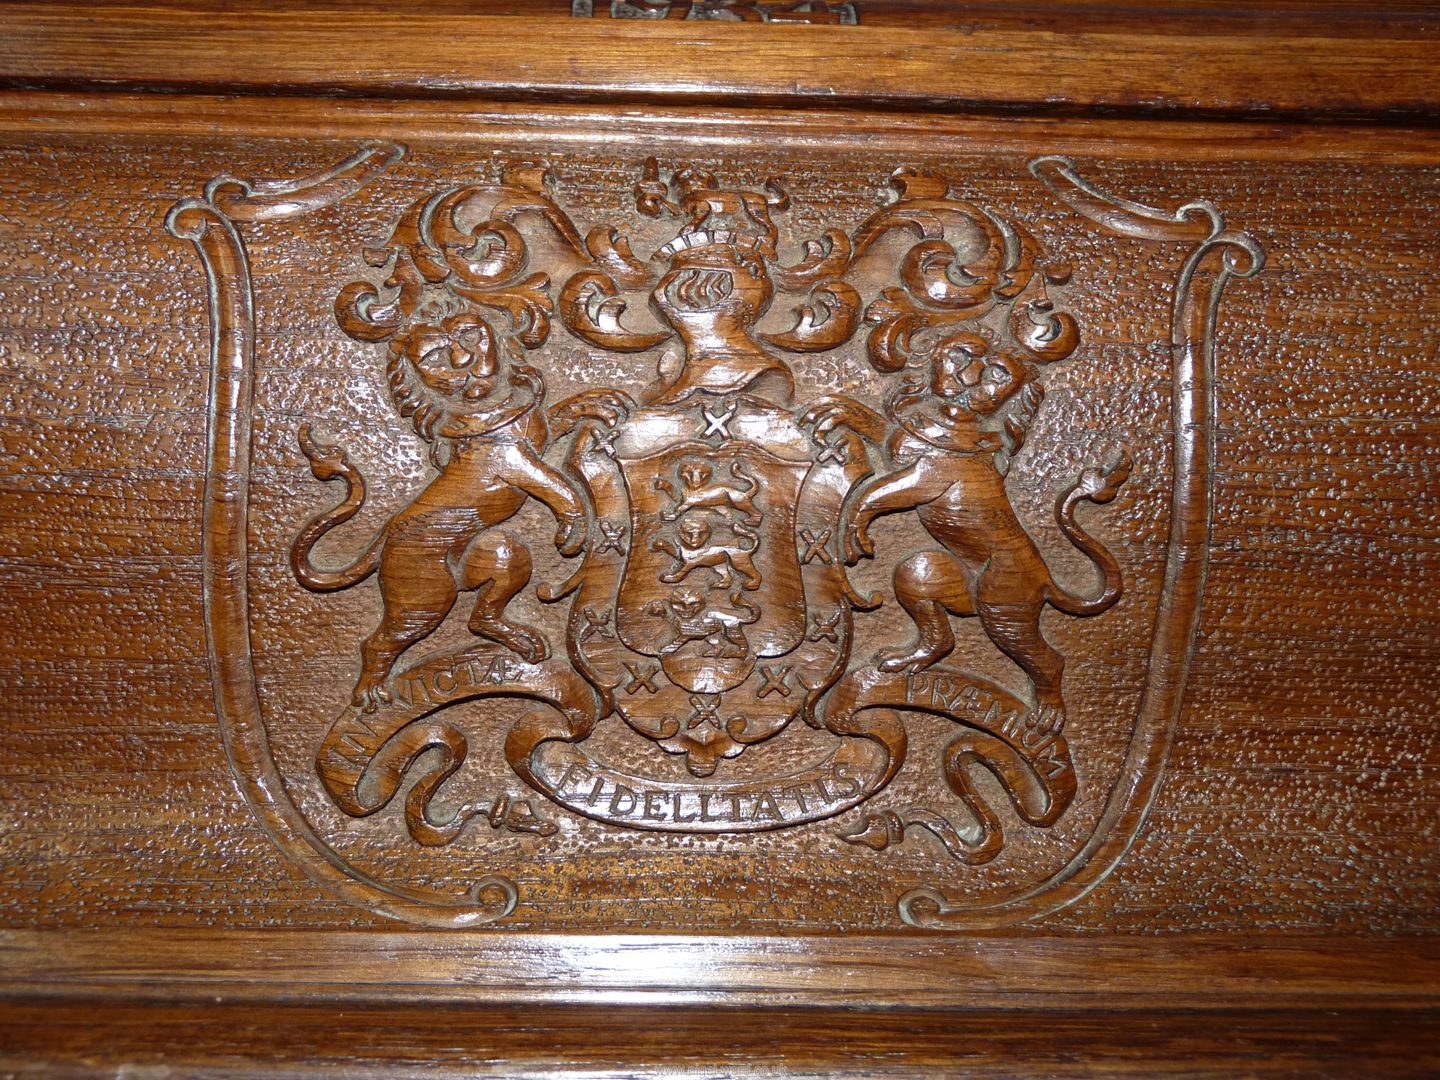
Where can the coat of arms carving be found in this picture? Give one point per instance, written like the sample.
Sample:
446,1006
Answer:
676,572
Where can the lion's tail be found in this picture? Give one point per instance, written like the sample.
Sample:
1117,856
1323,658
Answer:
1097,485
737,470
328,463
752,613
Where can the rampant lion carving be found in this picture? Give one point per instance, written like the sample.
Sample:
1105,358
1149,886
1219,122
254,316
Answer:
700,491
487,430
961,304
945,457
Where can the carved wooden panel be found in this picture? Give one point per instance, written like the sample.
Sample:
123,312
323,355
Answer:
912,589
714,467
603,535
719,536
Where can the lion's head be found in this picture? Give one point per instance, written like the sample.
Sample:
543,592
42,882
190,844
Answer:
695,474
686,603
968,381
451,378
694,534
970,396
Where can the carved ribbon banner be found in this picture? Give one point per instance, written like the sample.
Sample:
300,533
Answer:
706,517
1002,735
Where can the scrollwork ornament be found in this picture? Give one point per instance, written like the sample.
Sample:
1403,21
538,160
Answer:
707,517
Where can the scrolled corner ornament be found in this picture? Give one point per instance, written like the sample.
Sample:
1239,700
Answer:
708,517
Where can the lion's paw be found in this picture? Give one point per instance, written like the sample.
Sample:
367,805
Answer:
370,696
823,417
612,406
858,544
829,413
916,660
1047,719
609,407
570,538
529,644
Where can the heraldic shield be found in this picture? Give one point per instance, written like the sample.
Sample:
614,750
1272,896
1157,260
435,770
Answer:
702,532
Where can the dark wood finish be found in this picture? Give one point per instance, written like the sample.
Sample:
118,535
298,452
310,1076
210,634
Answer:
1132,770
69,1038
1271,739
1388,72
1025,971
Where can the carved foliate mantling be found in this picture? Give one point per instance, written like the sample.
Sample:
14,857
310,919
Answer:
968,263
712,605
458,305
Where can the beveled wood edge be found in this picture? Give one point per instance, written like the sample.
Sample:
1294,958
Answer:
872,971
1138,72
417,123
86,1037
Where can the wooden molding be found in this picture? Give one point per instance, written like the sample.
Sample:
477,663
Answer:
1001,972
1045,71
143,1038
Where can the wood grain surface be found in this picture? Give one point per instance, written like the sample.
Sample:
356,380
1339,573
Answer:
1287,798
1131,67
1015,971
178,891
1293,18
68,1038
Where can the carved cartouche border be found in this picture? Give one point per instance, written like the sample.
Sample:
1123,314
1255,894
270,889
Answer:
1217,255
212,224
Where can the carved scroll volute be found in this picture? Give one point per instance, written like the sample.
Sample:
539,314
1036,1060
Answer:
591,305
457,251
368,312
613,256
826,322
968,260
484,256
825,259
1034,324
932,274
